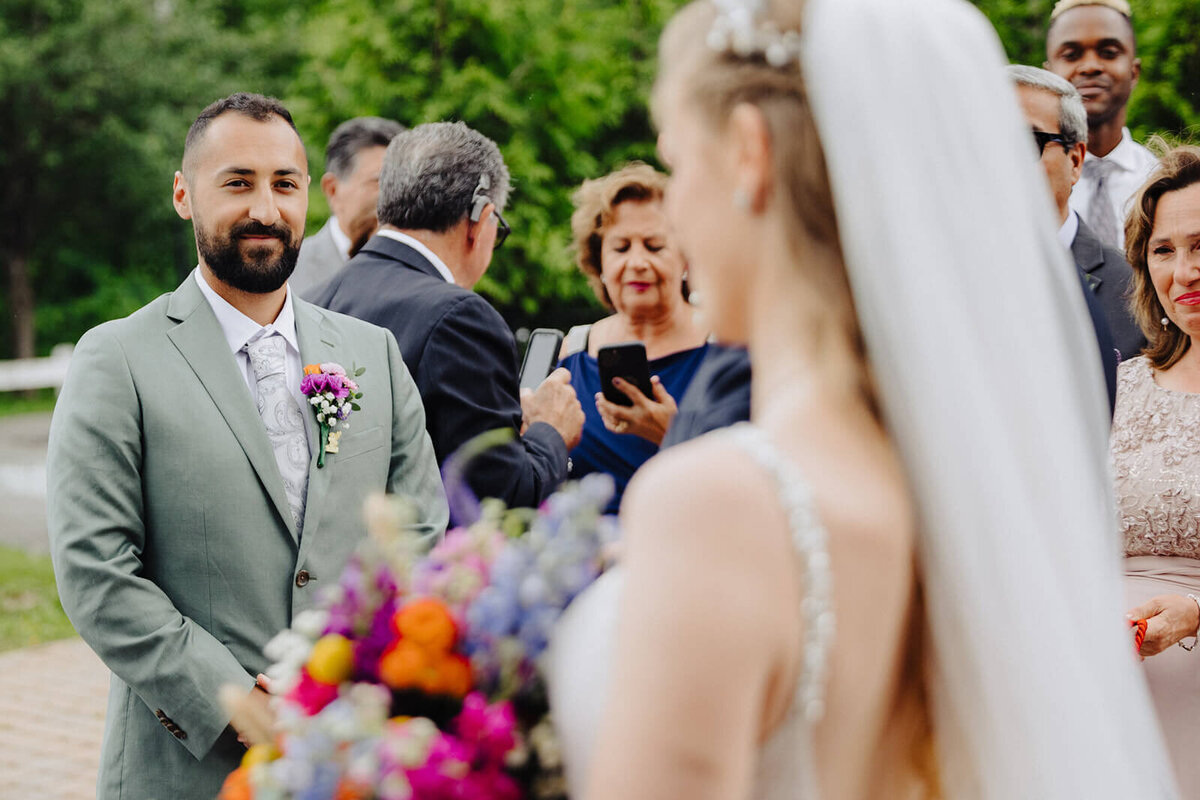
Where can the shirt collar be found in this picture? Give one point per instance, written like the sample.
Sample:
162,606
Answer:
340,240
238,328
420,247
1124,155
1066,234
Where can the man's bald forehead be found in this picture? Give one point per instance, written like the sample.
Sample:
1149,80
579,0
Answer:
254,106
1076,13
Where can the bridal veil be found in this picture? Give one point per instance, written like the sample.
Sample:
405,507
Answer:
989,380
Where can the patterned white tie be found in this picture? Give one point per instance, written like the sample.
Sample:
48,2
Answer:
1101,216
282,417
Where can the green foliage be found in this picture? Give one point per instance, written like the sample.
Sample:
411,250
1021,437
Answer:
29,609
95,98
561,87
1167,98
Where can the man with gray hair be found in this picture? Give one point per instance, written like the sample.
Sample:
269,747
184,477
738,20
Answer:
1055,113
441,193
353,159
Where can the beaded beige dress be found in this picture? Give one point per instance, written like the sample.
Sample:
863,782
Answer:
1156,468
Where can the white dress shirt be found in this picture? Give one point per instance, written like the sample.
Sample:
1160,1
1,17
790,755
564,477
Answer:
239,329
1133,165
340,240
420,247
1066,233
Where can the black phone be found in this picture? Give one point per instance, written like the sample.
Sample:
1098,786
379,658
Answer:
540,356
628,362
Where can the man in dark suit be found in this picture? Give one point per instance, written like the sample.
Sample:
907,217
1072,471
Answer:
717,397
441,191
1107,274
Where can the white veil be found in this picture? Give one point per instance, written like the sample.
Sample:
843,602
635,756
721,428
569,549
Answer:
990,381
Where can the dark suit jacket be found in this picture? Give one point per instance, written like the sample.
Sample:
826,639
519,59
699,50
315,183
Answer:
718,396
1107,274
464,360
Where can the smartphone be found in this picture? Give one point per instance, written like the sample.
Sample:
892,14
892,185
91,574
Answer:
540,356
626,361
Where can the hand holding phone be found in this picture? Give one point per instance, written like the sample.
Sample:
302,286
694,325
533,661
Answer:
628,362
540,356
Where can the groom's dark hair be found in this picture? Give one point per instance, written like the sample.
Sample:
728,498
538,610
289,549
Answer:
255,106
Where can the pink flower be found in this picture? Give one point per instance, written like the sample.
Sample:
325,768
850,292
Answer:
311,695
332,368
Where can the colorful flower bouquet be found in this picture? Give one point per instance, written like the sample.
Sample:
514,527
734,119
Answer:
417,677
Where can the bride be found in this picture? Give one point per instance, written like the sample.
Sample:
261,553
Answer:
901,579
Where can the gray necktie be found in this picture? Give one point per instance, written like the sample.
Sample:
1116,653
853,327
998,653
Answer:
282,417
1101,217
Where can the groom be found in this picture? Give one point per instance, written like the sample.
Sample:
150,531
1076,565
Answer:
189,521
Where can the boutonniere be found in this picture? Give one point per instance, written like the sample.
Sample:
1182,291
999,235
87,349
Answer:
333,395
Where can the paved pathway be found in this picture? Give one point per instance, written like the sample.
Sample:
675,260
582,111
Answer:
52,701
52,696
23,481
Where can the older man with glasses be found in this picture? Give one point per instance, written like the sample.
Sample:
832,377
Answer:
441,191
1056,114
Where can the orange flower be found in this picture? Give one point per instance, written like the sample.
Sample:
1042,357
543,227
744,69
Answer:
237,786
404,665
312,369
428,623
451,675
348,789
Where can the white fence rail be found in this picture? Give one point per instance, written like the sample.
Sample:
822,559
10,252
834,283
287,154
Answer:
36,373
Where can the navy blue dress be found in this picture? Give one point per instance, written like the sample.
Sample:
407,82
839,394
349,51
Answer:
620,454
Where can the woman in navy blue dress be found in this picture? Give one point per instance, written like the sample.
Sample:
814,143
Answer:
623,247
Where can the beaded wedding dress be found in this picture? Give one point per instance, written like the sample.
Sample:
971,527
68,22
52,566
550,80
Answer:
986,374
577,666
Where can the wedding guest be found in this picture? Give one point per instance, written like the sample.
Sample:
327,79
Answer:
190,519
1091,44
441,193
624,248
898,580
353,159
1055,112
1156,448
717,397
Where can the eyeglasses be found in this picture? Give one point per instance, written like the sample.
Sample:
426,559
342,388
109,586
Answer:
1043,138
502,229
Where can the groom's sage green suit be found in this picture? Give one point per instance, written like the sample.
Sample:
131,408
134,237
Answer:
173,544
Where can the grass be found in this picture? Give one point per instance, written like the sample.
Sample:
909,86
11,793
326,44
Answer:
29,609
12,403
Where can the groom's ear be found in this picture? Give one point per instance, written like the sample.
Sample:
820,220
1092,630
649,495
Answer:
181,197
750,138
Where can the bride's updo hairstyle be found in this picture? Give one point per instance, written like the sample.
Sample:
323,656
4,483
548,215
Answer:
714,82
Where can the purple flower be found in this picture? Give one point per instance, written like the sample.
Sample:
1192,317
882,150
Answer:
314,384
337,385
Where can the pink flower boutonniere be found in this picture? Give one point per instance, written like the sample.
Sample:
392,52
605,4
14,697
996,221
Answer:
333,395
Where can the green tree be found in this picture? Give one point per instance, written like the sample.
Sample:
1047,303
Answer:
560,86
95,98
1167,98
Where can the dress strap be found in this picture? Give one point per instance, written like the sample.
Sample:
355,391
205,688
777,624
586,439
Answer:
811,542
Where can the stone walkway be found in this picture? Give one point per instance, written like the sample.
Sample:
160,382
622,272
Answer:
52,696
52,702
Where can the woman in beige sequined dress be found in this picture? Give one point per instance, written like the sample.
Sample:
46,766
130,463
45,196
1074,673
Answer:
1156,450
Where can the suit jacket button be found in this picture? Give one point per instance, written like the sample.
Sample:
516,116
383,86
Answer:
302,578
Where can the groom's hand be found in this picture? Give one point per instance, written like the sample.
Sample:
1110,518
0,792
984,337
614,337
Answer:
250,714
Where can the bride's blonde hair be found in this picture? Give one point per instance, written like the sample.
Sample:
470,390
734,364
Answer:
714,83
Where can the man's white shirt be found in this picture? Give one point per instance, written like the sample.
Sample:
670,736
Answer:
419,246
1133,164
240,329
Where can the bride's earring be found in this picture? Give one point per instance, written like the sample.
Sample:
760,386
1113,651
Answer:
741,200
1165,322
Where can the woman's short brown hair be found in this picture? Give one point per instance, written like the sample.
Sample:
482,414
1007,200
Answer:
1179,168
596,203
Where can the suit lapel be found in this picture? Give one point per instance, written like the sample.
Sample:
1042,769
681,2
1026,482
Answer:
200,341
1089,255
319,343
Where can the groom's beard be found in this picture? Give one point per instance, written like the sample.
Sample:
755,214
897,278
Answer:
259,272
